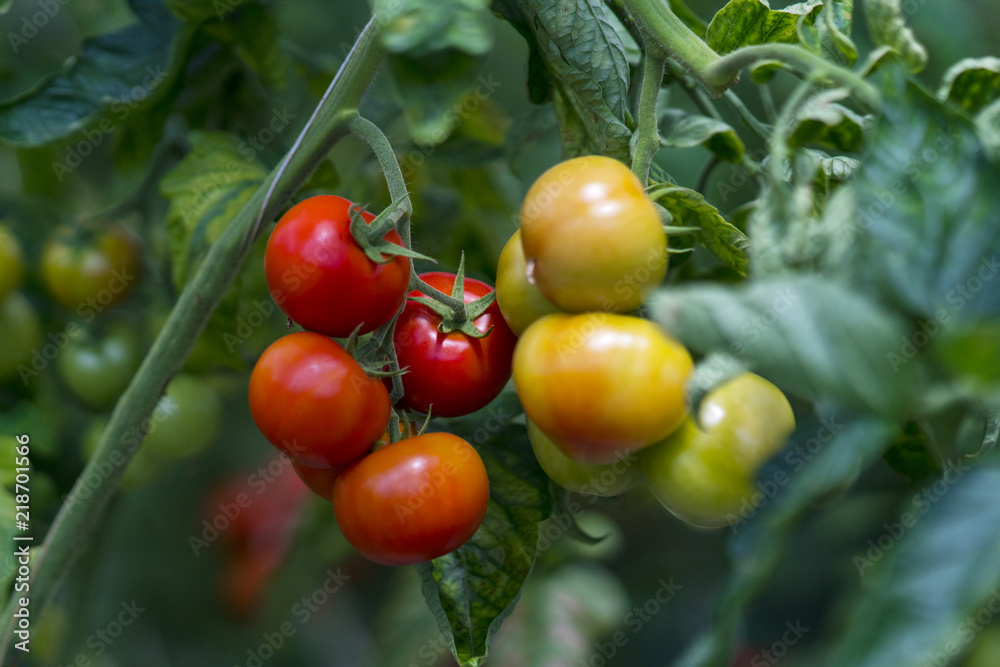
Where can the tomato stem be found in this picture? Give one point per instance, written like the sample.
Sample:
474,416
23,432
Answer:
86,502
647,137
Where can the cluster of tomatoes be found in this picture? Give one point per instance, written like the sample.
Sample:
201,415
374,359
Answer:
86,273
604,391
397,502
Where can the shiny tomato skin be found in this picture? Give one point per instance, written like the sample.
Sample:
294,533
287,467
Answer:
322,279
313,401
601,385
95,276
592,238
519,300
414,500
608,479
452,374
705,473
319,480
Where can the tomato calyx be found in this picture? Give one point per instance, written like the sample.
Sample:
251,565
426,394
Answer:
371,236
456,315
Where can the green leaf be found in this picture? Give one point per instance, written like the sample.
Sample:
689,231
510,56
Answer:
114,75
206,190
726,242
988,129
972,83
254,36
473,589
924,594
824,122
887,25
421,27
926,236
810,336
747,22
434,90
585,61
196,11
683,130
912,454
972,355
834,27
560,617
796,480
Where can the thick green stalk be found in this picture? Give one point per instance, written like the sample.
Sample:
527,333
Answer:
647,135
89,497
657,21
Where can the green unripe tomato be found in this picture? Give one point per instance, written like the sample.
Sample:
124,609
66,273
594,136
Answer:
97,371
20,333
185,421
521,303
11,262
91,277
704,474
599,479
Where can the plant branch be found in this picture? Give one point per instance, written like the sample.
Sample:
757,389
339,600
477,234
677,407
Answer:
647,137
86,502
730,65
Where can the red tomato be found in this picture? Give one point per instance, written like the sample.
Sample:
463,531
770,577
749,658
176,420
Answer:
312,401
319,275
319,480
454,373
414,500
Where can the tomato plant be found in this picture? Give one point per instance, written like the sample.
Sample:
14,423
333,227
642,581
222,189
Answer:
320,276
600,385
452,374
592,238
312,401
98,370
413,500
186,419
89,275
705,472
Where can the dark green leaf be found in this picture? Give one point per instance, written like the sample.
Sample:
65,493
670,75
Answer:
689,208
196,11
927,231
253,35
795,481
746,22
912,454
887,25
473,589
824,122
972,83
923,595
834,27
560,617
586,63
682,130
115,75
972,355
809,336
421,27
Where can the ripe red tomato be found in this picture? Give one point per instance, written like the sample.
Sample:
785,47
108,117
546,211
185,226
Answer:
319,275
414,500
319,480
453,372
312,401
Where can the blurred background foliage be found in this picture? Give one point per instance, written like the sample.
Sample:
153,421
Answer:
229,601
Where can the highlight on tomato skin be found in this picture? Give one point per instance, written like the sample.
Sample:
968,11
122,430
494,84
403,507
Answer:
414,500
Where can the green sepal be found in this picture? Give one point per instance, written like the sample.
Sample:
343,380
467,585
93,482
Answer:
371,236
672,230
462,319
